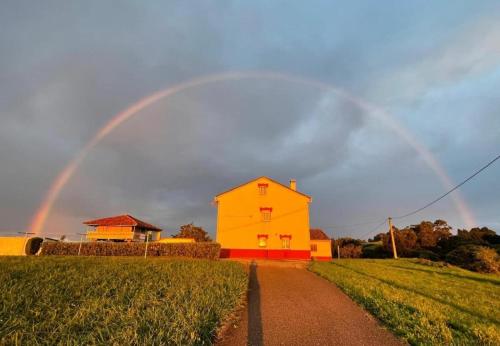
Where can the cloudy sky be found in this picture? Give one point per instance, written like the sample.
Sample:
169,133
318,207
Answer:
66,68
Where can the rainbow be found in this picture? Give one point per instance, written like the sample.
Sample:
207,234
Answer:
43,211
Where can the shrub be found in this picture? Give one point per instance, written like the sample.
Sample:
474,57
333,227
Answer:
427,254
349,247
375,250
488,261
192,250
351,251
462,255
427,262
345,241
450,244
476,258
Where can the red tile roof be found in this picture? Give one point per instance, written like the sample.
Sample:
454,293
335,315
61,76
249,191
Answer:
121,220
318,234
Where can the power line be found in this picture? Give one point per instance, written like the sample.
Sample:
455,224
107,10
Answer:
361,224
425,206
350,225
450,191
374,229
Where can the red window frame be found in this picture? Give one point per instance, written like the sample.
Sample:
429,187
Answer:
266,213
262,188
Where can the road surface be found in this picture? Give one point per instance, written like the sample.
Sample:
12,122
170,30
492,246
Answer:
288,305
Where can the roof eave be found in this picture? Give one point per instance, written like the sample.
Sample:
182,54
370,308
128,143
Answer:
252,180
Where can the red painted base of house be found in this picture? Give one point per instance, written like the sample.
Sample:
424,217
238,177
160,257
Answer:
270,254
321,258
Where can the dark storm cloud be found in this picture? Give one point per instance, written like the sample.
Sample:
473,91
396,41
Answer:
176,158
66,68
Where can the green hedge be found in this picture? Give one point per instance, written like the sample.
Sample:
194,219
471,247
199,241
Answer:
192,250
477,258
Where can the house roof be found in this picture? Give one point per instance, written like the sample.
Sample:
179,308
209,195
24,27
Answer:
264,177
121,220
318,234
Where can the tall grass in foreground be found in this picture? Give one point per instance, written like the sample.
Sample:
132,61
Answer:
425,304
115,301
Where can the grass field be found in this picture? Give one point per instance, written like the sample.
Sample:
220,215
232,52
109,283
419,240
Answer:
425,303
120,301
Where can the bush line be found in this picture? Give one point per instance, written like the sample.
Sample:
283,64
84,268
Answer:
192,250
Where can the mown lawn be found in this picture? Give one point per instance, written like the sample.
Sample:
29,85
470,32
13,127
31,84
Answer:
424,303
115,301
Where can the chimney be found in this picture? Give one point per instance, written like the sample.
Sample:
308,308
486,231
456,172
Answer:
293,184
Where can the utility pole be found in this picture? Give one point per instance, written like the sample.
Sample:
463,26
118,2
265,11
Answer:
394,251
147,240
81,239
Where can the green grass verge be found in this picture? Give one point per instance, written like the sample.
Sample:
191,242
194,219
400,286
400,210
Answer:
116,301
426,304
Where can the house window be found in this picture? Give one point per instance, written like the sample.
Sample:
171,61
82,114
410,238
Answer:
266,214
262,240
285,241
263,189
314,247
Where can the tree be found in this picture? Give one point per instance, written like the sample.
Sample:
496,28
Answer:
442,230
378,237
481,233
425,234
442,226
406,241
429,234
192,231
476,236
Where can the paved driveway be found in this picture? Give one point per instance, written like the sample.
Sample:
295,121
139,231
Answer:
290,306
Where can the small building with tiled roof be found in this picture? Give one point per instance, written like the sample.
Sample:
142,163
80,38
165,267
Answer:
121,228
321,245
